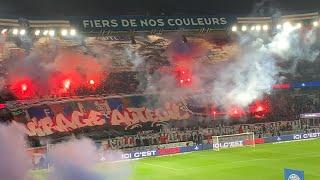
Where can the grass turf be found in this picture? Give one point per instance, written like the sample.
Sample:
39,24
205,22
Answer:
264,162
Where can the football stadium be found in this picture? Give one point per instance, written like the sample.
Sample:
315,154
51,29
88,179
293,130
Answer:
146,96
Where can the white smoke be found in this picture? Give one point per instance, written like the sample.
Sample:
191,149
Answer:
74,160
77,160
15,163
133,56
253,72
292,45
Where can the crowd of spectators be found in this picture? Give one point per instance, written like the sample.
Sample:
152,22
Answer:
288,105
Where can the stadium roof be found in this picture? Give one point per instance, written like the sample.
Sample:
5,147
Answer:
59,8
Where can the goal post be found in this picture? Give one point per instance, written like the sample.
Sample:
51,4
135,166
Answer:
233,140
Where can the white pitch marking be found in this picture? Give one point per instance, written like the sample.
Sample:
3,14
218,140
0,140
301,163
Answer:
156,165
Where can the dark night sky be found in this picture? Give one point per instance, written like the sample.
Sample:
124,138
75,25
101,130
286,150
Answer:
58,8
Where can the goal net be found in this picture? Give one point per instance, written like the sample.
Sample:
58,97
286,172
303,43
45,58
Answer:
233,140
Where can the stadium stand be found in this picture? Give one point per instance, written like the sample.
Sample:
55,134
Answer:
109,99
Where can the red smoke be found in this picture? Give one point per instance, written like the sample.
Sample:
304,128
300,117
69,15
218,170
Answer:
60,76
183,54
23,88
64,83
81,69
259,108
183,75
236,112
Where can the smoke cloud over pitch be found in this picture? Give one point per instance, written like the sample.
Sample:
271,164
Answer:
77,160
15,163
74,160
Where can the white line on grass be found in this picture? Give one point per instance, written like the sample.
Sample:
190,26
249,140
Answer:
156,165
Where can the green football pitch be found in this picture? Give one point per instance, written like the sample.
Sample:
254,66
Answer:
264,162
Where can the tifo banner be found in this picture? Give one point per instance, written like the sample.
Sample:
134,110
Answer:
126,112
290,174
140,23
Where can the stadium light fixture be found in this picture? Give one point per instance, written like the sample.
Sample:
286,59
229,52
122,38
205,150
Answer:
253,28
64,32
265,27
315,23
45,32
22,32
234,28
258,27
51,33
15,31
244,28
37,32
4,31
73,32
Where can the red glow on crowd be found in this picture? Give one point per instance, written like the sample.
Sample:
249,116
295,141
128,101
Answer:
2,106
259,108
236,112
23,88
64,75
183,75
66,83
213,111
